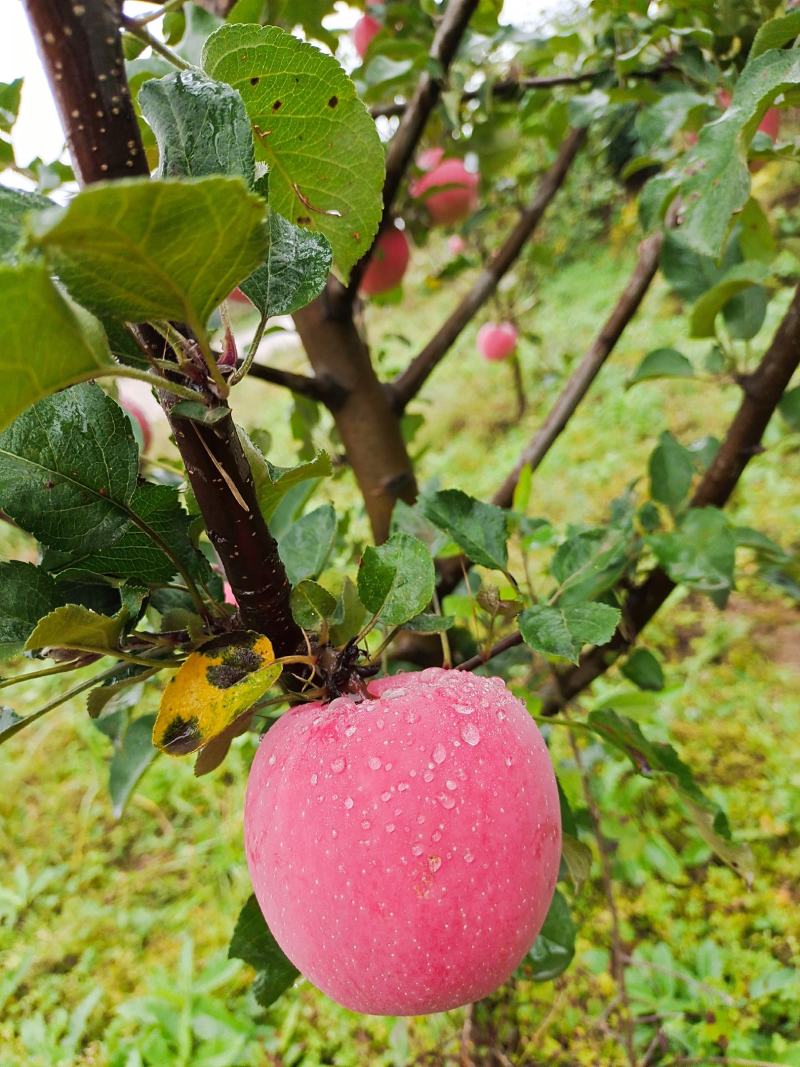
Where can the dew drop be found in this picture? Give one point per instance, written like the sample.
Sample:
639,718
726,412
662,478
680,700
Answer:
365,824
439,754
411,716
338,765
386,796
317,721
348,802
446,801
420,819
434,863
390,828
463,709
402,786
349,731
374,763
470,734
501,716
509,761
436,836
334,833
314,779
427,776
379,723
271,760
468,857
417,849
451,784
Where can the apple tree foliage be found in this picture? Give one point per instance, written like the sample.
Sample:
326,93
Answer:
272,170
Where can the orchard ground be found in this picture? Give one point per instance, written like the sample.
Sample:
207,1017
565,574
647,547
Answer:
113,934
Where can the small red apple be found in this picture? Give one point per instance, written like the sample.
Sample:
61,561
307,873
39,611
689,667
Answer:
457,244
404,850
363,32
139,417
458,198
388,263
770,123
429,158
238,297
497,340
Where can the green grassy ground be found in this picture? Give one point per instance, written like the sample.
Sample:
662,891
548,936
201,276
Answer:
113,933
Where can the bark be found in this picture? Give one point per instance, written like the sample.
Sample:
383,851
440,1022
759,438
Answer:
82,55
406,386
367,425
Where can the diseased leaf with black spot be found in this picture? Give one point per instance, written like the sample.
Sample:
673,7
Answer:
211,689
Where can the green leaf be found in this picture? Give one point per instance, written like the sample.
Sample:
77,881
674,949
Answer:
254,943
701,553
73,626
671,471
775,33
26,594
644,670
477,528
590,562
11,723
739,277
295,272
427,623
350,614
47,343
325,158
142,249
200,125
661,363
197,412
312,604
688,273
10,100
273,483
410,519
69,476
789,407
306,545
564,631
655,758
396,579
578,859
717,180
14,207
130,761
554,948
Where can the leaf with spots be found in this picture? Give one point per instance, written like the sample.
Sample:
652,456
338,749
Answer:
254,943
144,249
211,689
48,343
325,157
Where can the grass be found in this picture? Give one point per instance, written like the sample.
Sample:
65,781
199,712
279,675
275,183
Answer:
113,933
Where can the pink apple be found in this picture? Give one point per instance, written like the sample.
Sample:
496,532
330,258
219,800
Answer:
238,297
404,850
457,244
458,198
363,32
388,263
429,158
497,340
138,415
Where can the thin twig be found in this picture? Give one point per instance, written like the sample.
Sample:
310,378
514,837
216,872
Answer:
244,367
136,29
313,388
513,88
406,386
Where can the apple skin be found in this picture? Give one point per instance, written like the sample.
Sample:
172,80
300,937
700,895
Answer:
363,32
404,850
136,413
452,204
497,340
388,263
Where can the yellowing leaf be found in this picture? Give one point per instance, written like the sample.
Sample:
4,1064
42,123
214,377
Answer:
214,686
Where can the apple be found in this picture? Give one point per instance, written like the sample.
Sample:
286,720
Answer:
388,262
404,848
429,158
457,200
363,32
139,418
238,297
497,340
457,244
